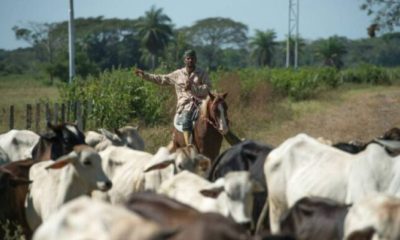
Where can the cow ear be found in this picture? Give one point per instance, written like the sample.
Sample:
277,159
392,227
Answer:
212,192
109,135
211,96
118,132
224,95
159,165
363,234
63,161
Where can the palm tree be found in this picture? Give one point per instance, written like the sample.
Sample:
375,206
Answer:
263,44
155,31
332,51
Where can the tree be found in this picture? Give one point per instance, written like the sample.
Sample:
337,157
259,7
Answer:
210,35
386,13
43,39
155,31
173,54
332,51
263,44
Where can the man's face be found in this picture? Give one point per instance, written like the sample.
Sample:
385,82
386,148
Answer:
190,61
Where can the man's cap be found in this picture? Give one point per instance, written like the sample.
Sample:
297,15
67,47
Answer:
189,53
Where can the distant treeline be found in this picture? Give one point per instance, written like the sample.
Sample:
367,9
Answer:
152,41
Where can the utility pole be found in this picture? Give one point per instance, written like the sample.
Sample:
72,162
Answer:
71,42
293,29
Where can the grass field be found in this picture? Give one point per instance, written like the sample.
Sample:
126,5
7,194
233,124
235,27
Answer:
20,91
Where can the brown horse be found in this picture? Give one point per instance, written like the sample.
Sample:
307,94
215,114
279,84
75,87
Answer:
211,124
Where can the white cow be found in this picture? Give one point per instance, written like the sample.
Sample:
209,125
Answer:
375,217
85,218
126,136
57,182
18,144
134,171
302,166
231,196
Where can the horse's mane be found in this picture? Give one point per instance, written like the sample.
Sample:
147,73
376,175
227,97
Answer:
203,107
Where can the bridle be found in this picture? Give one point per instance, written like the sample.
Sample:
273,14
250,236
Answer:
211,118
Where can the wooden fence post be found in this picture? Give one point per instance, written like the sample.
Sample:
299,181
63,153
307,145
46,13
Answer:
84,115
63,113
28,116
48,115
37,118
11,120
55,113
79,115
68,111
74,110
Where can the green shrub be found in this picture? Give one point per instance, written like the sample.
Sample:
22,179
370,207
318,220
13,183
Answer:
117,97
394,74
366,73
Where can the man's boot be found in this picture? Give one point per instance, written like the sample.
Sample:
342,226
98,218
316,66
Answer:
186,137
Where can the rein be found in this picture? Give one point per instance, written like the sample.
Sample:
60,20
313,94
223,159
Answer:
211,121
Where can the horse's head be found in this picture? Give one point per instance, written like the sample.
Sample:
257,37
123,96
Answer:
217,112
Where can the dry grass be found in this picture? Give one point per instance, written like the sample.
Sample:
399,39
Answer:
360,114
350,113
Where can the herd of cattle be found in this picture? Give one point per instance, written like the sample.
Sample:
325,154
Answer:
66,184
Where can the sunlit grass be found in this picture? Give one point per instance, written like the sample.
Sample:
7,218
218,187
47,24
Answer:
18,91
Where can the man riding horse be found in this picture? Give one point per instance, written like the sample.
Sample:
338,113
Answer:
192,85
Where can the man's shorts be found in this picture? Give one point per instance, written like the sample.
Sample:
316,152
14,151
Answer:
185,119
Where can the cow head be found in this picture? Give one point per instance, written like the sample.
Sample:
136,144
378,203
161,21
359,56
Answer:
87,164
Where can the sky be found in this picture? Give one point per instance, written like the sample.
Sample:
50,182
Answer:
317,18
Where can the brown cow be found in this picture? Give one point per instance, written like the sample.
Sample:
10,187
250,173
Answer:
165,211
188,222
14,181
212,226
315,218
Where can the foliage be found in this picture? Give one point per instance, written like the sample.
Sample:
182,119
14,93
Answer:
221,43
263,44
117,97
332,51
155,30
211,35
298,84
173,56
300,49
386,13
366,74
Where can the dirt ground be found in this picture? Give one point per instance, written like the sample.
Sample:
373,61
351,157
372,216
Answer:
360,115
